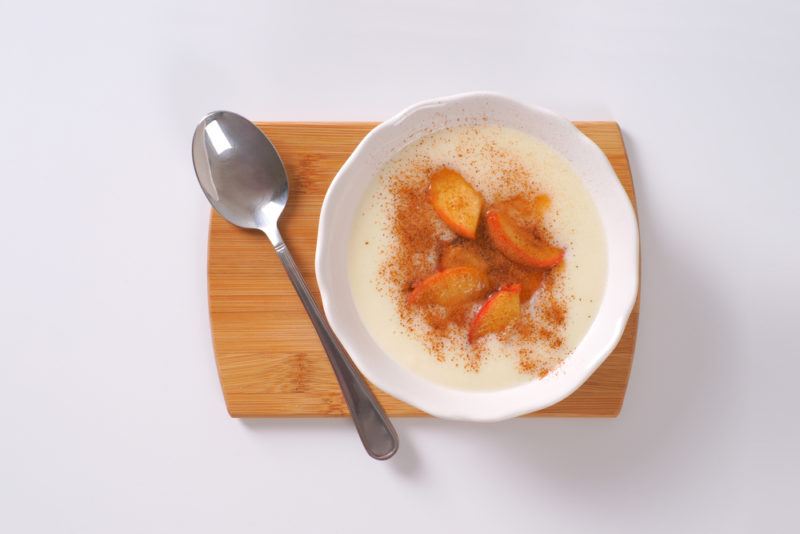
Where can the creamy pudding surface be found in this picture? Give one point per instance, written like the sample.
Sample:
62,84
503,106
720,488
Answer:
398,241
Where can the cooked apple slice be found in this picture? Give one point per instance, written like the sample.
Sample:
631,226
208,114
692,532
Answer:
455,201
462,255
500,310
450,287
518,244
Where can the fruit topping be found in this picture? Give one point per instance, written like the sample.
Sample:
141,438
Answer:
455,201
500,310
450,287
518,244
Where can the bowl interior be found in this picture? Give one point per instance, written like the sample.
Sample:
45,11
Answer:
338,214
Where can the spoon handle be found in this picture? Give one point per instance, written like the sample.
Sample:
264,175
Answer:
376,431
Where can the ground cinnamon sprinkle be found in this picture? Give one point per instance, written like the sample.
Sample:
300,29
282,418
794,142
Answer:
420,237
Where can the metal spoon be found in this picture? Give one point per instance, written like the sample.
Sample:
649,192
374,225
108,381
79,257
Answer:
244,179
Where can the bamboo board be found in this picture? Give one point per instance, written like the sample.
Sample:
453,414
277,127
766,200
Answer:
269,359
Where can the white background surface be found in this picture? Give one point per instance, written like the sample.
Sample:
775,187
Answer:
111,415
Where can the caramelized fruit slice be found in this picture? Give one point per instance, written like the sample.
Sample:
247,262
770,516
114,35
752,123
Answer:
450,287
455,201
519,245
462,256
500,310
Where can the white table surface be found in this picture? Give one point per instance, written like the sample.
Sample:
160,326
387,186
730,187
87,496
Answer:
111,415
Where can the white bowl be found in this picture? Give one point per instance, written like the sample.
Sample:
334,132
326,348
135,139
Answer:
338,214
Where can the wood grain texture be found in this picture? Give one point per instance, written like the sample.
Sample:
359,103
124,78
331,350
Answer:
269,359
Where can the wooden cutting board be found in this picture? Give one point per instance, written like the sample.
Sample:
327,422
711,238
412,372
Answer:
269,359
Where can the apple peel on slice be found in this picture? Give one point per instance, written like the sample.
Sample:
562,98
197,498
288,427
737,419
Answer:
500,310
450,287
456,202
518,244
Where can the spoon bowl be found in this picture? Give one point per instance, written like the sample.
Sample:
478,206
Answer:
240,171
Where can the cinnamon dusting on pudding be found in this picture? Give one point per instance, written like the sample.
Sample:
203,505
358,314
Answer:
423,246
